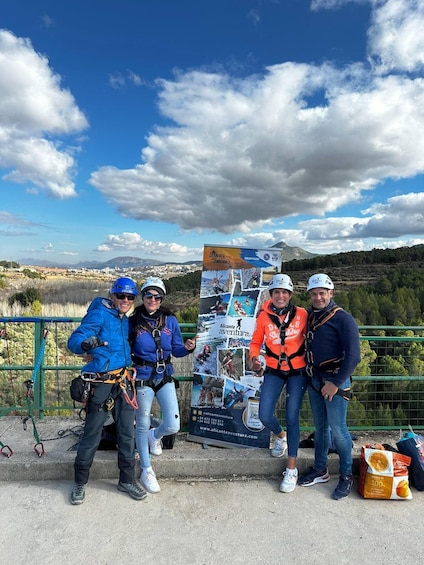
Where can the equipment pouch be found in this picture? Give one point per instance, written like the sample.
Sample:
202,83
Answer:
78,390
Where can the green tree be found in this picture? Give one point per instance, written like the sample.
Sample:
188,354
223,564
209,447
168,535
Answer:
26,298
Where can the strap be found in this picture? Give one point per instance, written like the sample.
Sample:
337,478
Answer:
315,322
283,374
155,332
143,363
283,357
156,387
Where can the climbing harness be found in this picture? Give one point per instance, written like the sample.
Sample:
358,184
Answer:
158,366
283,357
124,377
38,446
314,322
329,365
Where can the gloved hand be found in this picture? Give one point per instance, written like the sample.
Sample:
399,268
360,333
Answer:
91,342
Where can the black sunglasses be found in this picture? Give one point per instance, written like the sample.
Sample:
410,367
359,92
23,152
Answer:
122,296
150,295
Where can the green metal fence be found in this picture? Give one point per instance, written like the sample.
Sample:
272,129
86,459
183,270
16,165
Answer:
388,385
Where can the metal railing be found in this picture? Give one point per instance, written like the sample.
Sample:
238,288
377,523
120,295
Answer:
388,385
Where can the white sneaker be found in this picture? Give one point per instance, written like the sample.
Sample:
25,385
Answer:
149,481
155,445
288,484
280,447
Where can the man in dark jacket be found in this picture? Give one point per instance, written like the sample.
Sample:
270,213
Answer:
103,333
332,353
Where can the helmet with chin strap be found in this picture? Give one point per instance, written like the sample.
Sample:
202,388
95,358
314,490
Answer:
320,280
124,284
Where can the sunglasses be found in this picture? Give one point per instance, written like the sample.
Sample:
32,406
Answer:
150,295
121,296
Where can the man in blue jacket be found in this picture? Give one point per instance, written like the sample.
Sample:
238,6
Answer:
332,353
103,333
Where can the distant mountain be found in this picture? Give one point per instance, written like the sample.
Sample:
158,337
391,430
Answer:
290,253
115,263
129,262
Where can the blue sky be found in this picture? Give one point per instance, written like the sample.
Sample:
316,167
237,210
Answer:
152,127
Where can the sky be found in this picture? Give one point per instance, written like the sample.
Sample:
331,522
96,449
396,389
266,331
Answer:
150,128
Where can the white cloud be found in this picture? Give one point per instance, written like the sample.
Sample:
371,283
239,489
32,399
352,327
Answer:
396,38
245,151
135,242
35,109
334,4
118,80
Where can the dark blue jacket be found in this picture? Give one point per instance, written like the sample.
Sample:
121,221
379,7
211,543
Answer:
103,320
336,338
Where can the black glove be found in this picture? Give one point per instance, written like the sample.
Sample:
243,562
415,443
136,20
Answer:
91,343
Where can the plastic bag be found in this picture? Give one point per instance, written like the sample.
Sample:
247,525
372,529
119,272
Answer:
383,474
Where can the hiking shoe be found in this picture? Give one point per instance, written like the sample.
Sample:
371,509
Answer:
78,494
312,477
280,447
149,481
288,484
344,487
155,445
133,489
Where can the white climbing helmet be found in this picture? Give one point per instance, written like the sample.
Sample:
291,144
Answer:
281,281
320,280
154,282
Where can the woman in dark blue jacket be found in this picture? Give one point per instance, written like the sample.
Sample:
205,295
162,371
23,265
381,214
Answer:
155,337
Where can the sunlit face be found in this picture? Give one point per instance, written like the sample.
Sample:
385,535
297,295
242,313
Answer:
152,300
122,302
280,297
320,297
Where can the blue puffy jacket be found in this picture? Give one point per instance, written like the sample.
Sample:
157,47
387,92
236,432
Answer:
103,320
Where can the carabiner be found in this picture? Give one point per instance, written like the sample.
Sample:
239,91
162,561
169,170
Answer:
39,449
309,370
160,363
6,450
160,367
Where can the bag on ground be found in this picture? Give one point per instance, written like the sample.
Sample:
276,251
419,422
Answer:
383,474
412,444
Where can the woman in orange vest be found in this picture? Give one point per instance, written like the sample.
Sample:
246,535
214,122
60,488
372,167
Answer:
280,329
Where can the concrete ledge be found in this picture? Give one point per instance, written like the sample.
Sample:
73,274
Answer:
187,460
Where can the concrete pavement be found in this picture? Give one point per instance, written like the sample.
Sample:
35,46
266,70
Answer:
216,505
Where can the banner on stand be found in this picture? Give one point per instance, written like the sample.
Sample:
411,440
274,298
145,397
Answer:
225,393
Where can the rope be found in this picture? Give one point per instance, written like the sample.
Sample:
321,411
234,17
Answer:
38,446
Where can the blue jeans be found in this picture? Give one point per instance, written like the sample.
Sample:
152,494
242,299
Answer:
330,415
271,389
168,402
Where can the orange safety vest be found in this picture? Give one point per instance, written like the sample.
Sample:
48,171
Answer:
283,336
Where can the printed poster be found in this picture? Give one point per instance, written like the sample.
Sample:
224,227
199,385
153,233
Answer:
225,393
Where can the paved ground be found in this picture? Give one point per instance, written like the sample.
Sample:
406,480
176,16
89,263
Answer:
205,523
216,506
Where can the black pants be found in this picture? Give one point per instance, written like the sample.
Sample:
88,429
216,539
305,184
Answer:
123,415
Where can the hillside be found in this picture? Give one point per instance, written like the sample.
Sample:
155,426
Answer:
348,270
